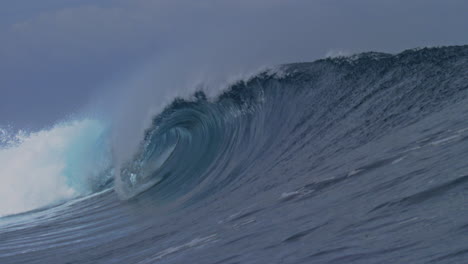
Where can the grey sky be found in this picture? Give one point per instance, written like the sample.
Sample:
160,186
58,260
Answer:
57,56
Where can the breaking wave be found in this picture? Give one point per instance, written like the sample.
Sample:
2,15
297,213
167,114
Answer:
359,159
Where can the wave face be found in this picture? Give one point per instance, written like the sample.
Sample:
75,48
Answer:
356,159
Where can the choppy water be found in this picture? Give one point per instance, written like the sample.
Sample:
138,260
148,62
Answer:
360,159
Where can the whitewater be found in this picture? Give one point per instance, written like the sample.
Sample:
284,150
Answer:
351,159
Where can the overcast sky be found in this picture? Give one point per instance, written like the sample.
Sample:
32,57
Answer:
57,56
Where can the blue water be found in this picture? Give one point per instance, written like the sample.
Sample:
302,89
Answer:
357,159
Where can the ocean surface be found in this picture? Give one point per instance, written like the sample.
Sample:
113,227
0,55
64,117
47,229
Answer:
360,159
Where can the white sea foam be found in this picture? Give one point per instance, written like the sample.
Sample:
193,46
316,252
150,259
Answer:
41,168
444,140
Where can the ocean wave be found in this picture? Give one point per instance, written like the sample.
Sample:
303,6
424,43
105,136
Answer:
345,159
355,98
